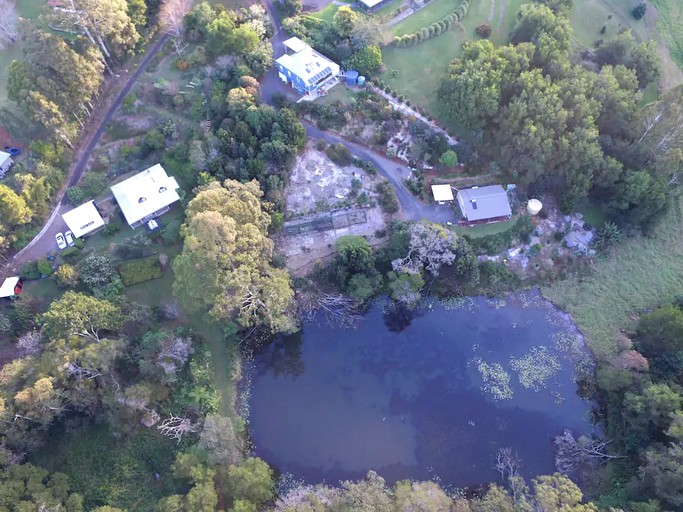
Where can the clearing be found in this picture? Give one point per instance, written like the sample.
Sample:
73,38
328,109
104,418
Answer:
326,201
639,274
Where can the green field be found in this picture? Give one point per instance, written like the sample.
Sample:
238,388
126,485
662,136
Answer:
638,274
670,25
434,11
422,67
482,230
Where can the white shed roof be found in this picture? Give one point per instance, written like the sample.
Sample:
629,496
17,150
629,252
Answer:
83,220
7,288
295,44
370,3
442,192
4,156
145,193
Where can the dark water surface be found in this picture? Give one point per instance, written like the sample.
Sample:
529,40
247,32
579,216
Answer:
420,396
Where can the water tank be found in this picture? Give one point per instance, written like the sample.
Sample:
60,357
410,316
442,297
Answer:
361,81
534,206
351,77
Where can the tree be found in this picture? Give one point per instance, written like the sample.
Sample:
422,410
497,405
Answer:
25,487
366,60
289,8
9,32
649,413
251,480
449,159
431,246
218,440
367,495
67,275
137,12
226,243
354,256
639,10
106,23
664,471
661,331
344,21
420,497
550,32
76,314
13,208
483,30
557,493
96,270
406,288
171,16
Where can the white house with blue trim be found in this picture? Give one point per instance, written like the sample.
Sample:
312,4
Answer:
306,70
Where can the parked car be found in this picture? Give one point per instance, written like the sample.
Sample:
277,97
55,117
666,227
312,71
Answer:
70,238
12,150
61,243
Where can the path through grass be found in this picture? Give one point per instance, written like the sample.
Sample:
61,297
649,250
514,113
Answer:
641,273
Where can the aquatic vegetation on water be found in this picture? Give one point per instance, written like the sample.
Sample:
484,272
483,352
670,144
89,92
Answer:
535,368
496,379
496,303
455,303
572,347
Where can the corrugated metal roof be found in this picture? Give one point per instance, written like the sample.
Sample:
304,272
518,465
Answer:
83,220
482,203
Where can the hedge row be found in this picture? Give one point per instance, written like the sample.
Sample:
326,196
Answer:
435,28
138,271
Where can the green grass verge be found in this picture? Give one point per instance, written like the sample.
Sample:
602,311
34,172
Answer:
638,274
327,13
670,25
483,230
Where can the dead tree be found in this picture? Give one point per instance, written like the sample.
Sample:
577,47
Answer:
339,310
176,427
171,15
572,454
507,463
30,343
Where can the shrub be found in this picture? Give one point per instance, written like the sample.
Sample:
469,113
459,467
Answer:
387,89
408,103
138,271
75,195
494,244
639,10
387,197
182,64
128,104
401,98
111,229
67,275
396,41
483,30
339,154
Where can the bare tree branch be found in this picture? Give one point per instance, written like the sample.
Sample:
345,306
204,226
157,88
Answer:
176,427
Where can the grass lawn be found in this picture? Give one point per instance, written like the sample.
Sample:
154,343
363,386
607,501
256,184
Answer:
641,273
338,93
422,67
434,11
327,13
589,16
483,230
594,216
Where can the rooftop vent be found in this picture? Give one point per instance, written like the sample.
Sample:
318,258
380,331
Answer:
142,200
162,190
474,204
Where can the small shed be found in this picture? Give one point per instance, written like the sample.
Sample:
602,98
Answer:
442,193
11,287
5,163
372,5
83,220
484,204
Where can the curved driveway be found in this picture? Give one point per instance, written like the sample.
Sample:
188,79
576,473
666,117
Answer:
413,208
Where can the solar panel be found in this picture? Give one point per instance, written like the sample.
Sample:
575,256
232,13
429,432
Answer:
314,79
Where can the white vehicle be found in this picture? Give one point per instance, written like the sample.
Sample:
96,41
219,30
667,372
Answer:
69,238
61,243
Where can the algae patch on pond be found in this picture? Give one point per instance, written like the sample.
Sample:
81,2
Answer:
433,393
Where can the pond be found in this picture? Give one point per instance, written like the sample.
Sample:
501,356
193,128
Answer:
432,393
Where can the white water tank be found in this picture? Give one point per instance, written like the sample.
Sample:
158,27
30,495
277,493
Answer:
534,206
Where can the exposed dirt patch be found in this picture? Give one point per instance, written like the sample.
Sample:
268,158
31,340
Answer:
302,251
137,123
318,184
